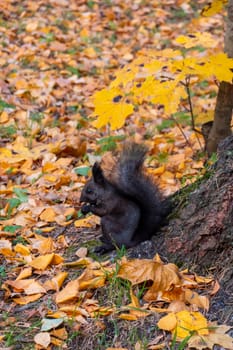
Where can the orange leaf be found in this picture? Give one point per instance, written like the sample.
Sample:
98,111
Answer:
168,322
56,282
193,298
27,299
22,249
34,288
25,273
42,262
70,292
48,215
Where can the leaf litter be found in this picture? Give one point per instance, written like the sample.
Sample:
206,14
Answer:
55,56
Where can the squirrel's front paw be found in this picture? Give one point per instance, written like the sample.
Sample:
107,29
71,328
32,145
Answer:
85,209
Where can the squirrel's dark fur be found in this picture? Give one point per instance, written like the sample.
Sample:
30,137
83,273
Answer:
130,207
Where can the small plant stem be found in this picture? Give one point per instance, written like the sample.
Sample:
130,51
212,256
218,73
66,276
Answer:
187,82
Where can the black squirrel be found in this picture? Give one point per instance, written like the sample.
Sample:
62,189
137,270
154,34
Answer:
128,202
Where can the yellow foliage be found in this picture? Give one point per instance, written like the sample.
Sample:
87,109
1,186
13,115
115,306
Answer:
213,7
194,39
111,108
183,323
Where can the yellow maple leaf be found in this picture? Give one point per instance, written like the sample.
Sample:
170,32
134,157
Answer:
205,117
92,279
25,273
183,323
111,108
169,94
125,75
219,65
199,38
190,321
22,249
213,7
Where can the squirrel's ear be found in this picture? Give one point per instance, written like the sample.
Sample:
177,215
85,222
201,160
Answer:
98,174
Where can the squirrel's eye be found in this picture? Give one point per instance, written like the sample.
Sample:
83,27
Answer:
89,191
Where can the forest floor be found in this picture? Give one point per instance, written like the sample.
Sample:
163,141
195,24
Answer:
55,54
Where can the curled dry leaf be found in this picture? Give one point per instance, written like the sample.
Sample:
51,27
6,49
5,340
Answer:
43,339
81,252
217,335
140,270
27,299
56,282
193,298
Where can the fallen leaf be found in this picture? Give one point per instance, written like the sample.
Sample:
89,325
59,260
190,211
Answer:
42,262
27,299
217,336
27,272
70,292
81,252
168,322
43,339
51,323
56,282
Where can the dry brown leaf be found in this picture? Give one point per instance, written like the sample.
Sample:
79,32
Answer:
27,299
92,279
69,293
27,272
20,285
176,306
116,349
217,336
34,288
81,252
194,299
22,249
56,282
43,339
74,310
48,215
60,333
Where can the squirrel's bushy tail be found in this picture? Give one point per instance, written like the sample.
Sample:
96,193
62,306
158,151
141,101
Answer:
135,184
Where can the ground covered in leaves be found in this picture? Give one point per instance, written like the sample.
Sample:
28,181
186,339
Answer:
55,54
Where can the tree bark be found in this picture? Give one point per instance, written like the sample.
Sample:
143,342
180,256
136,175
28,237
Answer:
224,105
202,232
199,232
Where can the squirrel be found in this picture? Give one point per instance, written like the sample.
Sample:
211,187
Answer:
127,200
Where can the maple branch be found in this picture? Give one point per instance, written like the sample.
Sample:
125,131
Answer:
182,132
187,81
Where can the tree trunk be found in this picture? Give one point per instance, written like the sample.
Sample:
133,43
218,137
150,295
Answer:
201,235
224,106
202,232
